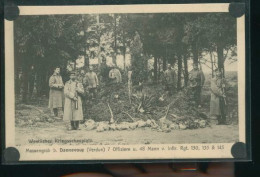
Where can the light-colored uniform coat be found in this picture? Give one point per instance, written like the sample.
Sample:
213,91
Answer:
170,77
70,111
216,94
56,94
91,79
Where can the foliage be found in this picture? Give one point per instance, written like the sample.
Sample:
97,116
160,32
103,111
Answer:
47,41
44,38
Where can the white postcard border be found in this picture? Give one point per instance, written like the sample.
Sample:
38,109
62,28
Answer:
115,155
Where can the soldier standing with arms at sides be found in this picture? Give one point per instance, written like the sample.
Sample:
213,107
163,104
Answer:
56,93
169,79
196,82
73,104
92,83
218,98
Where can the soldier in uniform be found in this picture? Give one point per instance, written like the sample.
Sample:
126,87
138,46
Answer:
92,82
73,112
196,82
170,80
81,77
56,93
218,98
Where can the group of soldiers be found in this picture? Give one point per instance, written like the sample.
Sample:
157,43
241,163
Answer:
71,107
75,89
196,82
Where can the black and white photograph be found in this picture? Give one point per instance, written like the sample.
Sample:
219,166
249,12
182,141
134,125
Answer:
123,79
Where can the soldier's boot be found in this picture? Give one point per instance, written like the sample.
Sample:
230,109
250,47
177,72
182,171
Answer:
72,124
77,125
221,120
60,113
55,112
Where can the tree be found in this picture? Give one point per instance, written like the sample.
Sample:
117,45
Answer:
45,42
221,32
138,61
212,32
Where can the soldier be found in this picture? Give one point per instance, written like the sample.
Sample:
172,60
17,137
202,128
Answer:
170,80
81,77
73,105
82,80
196,79
92,83
56,93
218,98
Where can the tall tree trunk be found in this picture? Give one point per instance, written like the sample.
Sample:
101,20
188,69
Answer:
164,63
155,69
115,41
212,64
165,59
25,81
86,58
220,51
159,69
195,53
186,72
124,49
179,72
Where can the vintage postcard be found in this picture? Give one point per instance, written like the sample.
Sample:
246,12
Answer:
125,82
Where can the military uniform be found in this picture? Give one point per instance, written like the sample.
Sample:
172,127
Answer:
56,93
91,81
217,101
196,82
170,81
73,108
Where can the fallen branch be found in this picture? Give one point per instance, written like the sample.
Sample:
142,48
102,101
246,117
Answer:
111,113
167,110
129,116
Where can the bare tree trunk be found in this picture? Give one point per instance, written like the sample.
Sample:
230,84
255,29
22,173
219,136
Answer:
186,72
220,49
159,70
155,69
179,72
25,81
115,41
124,49
212,64
86,58
195,53
164,63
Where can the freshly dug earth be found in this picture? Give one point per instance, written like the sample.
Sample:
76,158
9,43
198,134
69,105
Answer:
182,124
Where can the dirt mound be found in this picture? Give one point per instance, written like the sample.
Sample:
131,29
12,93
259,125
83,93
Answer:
150,105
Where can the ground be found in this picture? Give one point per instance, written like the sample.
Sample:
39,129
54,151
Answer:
213,134
34,121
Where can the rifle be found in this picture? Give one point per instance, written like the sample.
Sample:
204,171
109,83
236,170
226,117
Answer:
76,95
